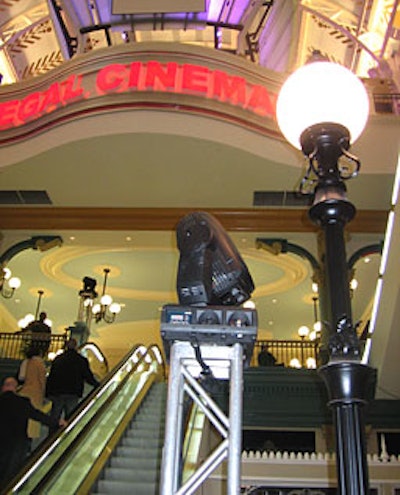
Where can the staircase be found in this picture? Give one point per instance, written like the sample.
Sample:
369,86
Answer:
134,466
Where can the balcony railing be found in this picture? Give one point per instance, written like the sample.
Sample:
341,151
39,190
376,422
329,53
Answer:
278,473
289,353
15,345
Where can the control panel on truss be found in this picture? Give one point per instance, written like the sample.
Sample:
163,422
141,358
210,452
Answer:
209,325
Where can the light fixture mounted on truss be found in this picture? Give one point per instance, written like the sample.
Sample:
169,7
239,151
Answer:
105,310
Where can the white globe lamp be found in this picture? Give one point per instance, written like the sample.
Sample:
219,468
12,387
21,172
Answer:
321,93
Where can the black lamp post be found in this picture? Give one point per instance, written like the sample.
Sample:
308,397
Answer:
321,109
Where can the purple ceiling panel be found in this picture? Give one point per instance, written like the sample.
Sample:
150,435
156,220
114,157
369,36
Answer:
234,10
85,13
226,11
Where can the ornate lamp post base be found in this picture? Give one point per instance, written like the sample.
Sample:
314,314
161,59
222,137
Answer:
347,383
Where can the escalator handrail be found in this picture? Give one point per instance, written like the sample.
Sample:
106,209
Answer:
51,443
93,344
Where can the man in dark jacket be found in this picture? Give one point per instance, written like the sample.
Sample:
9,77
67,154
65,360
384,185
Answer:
15,411
66,380
41,334
265,358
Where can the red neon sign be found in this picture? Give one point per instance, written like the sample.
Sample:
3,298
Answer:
154,76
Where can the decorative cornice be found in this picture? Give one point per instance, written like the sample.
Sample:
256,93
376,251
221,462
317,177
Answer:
152,219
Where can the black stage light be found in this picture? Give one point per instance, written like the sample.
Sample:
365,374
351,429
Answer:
89,288
211,270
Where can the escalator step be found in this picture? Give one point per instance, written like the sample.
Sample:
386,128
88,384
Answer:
141,438
145,433
157,408
135,451
138,475
142,443
149,420
127,462
157,405
143,449
155,425
150,408
154,413
148,455
120,488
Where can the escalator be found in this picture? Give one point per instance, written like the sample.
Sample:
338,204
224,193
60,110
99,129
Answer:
113,442
135,464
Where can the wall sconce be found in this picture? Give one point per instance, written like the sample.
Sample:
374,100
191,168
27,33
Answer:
8,284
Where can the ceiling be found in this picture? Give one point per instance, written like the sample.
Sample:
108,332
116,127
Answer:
37,36
150,159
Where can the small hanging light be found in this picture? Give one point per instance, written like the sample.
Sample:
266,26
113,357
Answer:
30,317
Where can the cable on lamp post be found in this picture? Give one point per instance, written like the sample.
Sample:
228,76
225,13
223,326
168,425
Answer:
322,108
